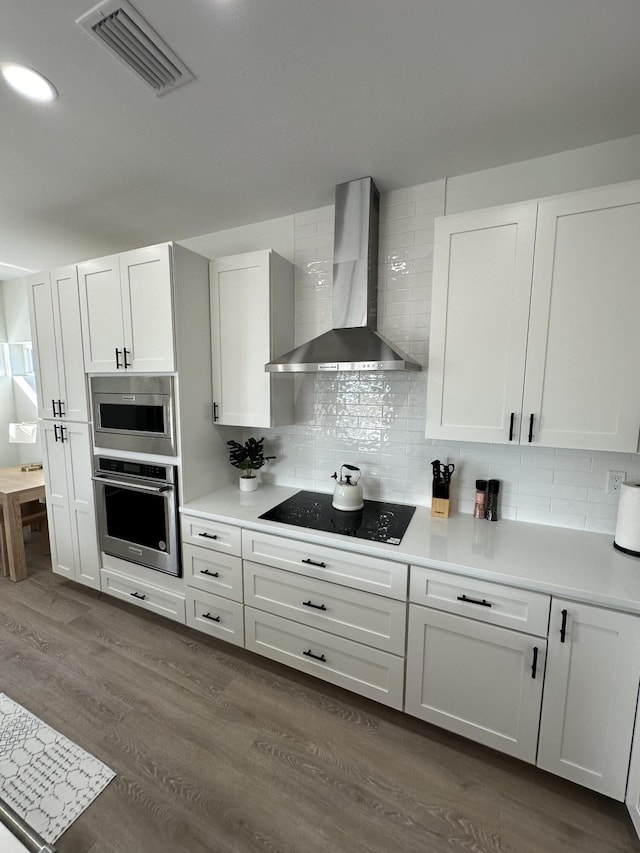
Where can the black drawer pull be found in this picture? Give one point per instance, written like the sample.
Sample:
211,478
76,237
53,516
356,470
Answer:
534,665
484,601
211,574
209,535
311,604
563,627
530,428
137,595
314,563
209,616
511,420
310,654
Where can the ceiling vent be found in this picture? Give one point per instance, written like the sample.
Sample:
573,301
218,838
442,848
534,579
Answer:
117,25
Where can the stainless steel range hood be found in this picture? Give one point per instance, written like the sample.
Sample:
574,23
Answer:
353,343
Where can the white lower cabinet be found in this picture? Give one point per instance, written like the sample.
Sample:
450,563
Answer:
475,679
362,669
350,613
212,570
632,798
70,502
590,696
149,596
215,615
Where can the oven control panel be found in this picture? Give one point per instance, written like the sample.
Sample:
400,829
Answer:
130,468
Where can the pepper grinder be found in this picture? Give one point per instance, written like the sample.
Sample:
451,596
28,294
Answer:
491,508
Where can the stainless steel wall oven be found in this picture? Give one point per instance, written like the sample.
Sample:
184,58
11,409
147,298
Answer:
134,413
137,509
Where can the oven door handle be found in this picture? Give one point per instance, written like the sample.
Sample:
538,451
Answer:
127,484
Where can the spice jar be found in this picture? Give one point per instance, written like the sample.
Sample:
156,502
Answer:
480,499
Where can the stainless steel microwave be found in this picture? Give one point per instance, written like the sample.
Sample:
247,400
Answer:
134,413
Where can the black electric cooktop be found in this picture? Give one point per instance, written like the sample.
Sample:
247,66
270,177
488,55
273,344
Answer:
377,520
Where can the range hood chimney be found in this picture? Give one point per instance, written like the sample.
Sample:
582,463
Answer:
353,343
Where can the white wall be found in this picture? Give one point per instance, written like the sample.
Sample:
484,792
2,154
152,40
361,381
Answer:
376,421
592,166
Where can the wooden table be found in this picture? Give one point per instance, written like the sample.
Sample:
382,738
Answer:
16,488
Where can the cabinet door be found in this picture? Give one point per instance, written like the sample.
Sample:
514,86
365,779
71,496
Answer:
147,309
590,694
633,788
101,311
58,512
77,446
68,337
584,348
240,347
477,680
481,289
44,343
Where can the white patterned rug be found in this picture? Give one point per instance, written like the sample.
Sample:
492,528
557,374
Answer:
44,777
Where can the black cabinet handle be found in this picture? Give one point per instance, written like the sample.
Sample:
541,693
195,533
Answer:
530,428
63,431
534,665
211,574
215,412
124,355
314,563
209,535
311,604
563,627
210,617
511,422
118,365
137,595
53,406
61,411
310,654
55,432
484,602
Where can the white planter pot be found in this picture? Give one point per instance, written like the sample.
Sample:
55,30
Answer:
248,484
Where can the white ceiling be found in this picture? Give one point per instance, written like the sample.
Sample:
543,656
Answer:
291,98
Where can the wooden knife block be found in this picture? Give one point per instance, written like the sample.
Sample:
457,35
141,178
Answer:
440,507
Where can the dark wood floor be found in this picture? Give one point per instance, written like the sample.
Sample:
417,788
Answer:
218,750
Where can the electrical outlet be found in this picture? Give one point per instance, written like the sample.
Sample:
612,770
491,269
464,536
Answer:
614,480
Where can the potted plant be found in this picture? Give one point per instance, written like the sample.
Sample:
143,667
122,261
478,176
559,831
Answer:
249,457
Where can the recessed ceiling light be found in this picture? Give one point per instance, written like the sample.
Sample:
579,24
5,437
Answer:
28,82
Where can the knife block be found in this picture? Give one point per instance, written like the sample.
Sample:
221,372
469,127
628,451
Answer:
440,507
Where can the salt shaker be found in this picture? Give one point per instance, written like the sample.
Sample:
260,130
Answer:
480,499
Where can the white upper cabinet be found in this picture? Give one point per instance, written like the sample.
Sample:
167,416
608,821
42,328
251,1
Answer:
532,334
54,309
480,311
584,347
127,311
252,321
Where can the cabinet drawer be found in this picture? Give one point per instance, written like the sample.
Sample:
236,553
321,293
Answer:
220,574
211,534
370,672
142,594
216,616
350,613
485,601
371,574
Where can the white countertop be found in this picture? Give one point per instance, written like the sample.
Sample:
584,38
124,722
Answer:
567,563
